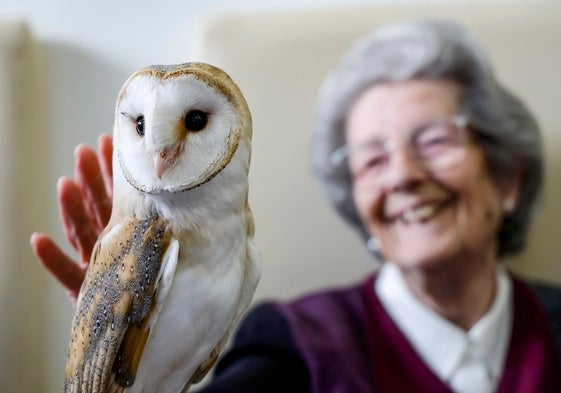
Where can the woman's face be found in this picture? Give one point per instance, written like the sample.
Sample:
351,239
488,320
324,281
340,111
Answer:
422,216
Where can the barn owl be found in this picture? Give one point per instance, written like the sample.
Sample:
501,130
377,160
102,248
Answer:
176,265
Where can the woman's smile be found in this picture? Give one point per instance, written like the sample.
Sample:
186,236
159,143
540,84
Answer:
419,211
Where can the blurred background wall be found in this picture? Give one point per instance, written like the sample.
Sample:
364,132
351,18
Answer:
63,63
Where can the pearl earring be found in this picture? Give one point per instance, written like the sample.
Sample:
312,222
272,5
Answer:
508,205
373,244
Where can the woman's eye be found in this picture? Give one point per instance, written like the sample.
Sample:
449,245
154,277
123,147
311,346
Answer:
374,161
434,140
195,120
435,137
369,163
140,125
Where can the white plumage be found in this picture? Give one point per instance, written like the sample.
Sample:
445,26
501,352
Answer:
176,265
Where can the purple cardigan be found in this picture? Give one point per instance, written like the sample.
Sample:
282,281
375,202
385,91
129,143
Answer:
350,345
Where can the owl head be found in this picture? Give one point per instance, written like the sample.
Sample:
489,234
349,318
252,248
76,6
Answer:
178,126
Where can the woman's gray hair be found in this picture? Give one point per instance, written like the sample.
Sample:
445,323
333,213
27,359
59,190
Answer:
502,126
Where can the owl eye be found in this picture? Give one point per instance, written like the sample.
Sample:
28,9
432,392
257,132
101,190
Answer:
195,120
140,125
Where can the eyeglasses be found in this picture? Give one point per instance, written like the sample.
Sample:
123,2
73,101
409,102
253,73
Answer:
437,145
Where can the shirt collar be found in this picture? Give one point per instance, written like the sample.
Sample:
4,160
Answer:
438,342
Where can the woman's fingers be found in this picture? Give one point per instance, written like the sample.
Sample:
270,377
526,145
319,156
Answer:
64,268
76,222
90,180
105,158
85,208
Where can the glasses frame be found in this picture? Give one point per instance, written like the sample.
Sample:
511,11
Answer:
342,153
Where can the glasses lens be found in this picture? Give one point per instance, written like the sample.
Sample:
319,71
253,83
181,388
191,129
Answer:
368,158
436,145
440,143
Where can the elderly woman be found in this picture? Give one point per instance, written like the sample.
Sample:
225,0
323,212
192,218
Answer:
439,168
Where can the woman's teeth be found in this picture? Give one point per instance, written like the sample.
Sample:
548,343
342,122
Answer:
419,214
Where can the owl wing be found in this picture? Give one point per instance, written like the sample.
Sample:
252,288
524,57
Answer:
126,283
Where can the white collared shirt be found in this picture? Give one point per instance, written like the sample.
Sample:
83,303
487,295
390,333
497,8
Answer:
448,351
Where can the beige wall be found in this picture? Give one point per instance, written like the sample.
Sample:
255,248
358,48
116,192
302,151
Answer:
22,285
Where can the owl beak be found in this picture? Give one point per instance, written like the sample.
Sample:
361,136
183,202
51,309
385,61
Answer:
166,158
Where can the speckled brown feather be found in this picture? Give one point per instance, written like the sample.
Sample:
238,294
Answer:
116,305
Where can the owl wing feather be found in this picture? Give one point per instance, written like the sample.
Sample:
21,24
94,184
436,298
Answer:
206,366
126,283
136,336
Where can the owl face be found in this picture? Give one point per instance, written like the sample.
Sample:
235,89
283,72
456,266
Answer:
176,127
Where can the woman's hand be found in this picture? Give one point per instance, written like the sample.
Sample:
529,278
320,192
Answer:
85,207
